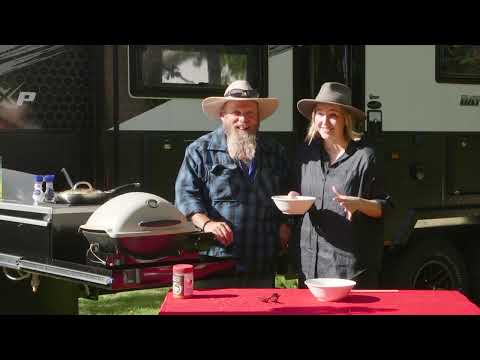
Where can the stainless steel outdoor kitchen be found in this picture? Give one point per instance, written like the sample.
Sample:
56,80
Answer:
131,241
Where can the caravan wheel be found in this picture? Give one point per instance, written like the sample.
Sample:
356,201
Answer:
432,264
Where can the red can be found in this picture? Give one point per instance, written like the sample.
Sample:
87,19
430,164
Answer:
182,282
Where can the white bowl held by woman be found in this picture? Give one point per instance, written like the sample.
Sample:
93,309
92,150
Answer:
293,205
330,289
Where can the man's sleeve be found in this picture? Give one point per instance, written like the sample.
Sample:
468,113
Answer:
295,170
285,171
285,181
189,190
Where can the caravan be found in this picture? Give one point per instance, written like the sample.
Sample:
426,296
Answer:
121,114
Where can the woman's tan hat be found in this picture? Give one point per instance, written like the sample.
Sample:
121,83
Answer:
239,90
331,93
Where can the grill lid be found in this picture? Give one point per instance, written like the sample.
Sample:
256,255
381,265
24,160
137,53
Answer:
138,214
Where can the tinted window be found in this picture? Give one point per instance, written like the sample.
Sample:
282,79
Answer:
458,63
193,71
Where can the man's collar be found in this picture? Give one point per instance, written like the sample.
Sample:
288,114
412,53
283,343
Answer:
219,140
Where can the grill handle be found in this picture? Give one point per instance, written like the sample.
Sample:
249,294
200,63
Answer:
158,223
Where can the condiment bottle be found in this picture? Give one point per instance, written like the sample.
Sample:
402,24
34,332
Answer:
182,286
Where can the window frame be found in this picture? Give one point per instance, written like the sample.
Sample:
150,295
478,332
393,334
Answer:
444,78
137,88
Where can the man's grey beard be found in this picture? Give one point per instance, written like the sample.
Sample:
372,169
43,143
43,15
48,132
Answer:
241,146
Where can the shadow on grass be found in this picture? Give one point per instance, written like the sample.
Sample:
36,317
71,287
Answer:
139,302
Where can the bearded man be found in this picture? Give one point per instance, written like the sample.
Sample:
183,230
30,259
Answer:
225,185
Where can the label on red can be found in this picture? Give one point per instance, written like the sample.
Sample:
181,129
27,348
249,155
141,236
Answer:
182,286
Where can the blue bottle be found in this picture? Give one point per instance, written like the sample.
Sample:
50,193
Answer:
49,195
38,189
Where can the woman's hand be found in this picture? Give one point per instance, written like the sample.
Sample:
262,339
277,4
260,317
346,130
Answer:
293,194
352,203
223,232
349,203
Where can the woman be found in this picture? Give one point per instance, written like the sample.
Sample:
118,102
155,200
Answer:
342,233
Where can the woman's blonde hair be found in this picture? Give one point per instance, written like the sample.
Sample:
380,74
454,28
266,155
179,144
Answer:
349,133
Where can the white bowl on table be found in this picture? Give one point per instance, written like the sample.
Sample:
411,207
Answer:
293,205
330,289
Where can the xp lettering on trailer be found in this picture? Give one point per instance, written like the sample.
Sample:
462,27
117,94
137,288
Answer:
7,95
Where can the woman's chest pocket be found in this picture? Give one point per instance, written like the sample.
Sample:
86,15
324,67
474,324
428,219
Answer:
344,179
224,182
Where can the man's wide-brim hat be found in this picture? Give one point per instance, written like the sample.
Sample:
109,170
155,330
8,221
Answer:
332,93
239,90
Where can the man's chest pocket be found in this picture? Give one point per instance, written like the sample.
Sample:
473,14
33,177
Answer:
224,182
269,181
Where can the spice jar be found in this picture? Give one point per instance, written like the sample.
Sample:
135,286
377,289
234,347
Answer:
182,286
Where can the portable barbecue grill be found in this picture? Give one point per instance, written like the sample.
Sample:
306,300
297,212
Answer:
130,242
140,236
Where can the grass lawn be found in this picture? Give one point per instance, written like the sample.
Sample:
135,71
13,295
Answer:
141,302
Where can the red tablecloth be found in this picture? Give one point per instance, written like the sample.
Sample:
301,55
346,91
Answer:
302,302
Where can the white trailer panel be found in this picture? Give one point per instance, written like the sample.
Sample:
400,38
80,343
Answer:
403,77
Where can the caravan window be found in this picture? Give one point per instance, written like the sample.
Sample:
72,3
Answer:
458,64
194,71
